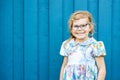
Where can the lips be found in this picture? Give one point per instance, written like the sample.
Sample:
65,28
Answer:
81,33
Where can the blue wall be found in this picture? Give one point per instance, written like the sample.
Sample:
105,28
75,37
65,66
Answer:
31,33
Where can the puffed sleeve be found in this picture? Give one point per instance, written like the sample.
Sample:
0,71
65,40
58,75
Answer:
99,49
63,50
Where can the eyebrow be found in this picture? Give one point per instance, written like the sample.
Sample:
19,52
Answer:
81,24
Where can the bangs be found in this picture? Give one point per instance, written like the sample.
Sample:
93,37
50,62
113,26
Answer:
80,16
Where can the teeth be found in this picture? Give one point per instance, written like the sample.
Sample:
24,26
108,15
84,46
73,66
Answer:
80,33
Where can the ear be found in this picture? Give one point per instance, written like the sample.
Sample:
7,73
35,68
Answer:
91,28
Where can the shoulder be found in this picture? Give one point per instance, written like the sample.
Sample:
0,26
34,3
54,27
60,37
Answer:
99,48
98,44
67,41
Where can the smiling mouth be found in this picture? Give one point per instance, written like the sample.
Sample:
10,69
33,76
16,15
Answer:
81,33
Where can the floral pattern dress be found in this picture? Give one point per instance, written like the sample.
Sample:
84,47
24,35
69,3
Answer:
81,63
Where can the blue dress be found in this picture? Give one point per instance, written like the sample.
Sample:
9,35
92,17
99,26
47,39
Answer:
81,63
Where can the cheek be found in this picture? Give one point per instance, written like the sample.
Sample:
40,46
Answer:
72,31
87,31
91,28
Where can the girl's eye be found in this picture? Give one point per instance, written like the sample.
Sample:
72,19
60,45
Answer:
84,25
76,26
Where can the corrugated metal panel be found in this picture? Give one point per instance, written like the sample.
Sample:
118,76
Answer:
31,33
18,41
6,40
43,37
115,40
104,31
30,40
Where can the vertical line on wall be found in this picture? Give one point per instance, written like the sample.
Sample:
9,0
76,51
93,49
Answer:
62,19
13,39
73,5
87,5
97,20
23,43
112,42
38,40
48,38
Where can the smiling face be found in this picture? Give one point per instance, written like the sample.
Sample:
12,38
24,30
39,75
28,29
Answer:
80,29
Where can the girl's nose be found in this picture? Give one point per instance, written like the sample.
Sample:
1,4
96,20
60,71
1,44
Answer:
79,28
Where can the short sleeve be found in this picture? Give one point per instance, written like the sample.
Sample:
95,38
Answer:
63,51
99,49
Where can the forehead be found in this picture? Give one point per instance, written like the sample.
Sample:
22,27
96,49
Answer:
81,21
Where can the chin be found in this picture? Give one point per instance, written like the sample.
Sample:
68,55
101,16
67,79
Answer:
80,37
